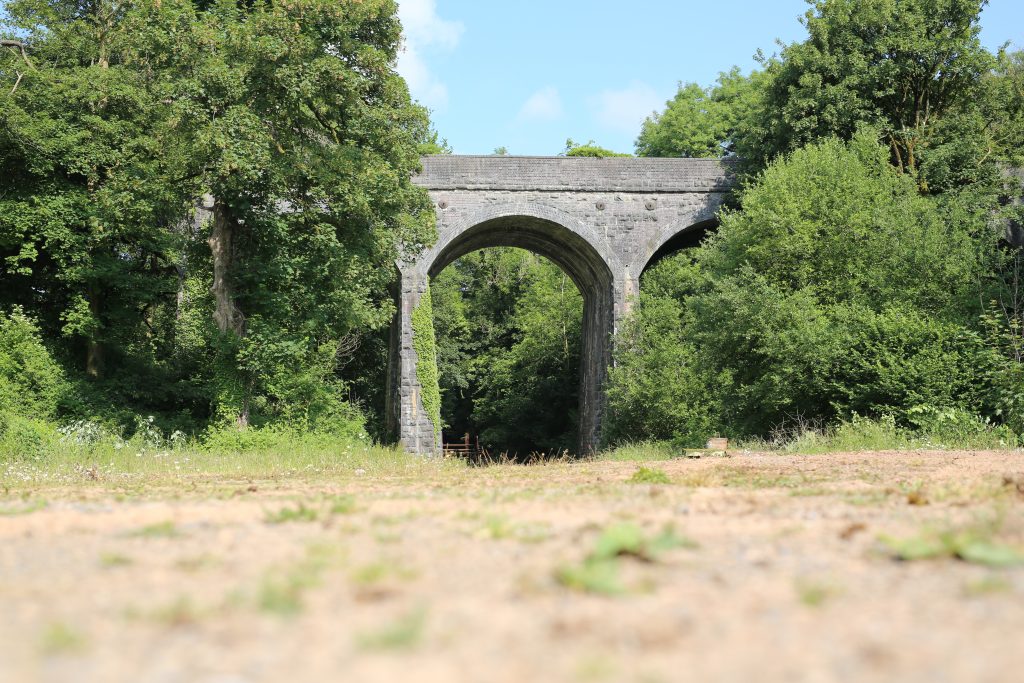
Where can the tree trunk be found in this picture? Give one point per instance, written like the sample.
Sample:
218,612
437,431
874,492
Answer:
226,313
93,348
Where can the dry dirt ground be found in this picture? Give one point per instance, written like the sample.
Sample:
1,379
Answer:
755,567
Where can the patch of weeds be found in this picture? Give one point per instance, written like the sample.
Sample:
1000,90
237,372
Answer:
403,634
286,515
497,527
281,592
341,505
393,520
158,530
60,638
627,539
599,571
810,492
916,493
988,585
379,580
378,572
814,593
701,478
649,475
642,451
27,509
598,667
281,595
976,545
592,576
110,560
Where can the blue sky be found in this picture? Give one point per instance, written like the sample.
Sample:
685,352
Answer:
528,74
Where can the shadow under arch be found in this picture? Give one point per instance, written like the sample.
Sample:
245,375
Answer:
581,254
675,239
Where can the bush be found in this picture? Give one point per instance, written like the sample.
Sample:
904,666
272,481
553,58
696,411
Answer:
31,381
957,428
657,389
837,291
25,438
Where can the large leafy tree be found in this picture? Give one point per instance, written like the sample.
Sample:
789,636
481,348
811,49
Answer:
900,65
304,137
287,121
86,211
705,122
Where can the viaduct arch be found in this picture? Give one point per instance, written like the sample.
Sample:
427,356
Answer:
603,221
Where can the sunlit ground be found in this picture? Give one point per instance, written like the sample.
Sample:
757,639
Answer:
366,564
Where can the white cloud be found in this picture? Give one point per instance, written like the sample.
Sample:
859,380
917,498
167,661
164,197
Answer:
425,32
624,110
543,105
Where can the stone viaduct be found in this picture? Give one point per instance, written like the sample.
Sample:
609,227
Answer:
603,221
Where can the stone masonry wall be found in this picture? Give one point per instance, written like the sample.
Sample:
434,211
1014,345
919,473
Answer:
619,211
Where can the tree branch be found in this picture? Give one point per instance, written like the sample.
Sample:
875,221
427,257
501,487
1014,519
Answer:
6,42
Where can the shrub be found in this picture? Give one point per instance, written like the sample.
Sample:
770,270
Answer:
31,381
24,438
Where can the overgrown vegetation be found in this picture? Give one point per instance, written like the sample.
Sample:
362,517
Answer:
866,283
426,361
203,205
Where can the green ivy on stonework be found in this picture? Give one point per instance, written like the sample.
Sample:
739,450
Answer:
426,361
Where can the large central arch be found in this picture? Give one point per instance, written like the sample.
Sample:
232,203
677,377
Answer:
544,231
603,221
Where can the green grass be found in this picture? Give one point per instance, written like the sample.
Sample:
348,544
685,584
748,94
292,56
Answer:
115,560
158,530
302,456
60,638
342,505
281,592
989,585
592,576
284,515
814,593
380,572
499,527
975,544
26,509
179,612
599,571
649,475
402,634
643,451
950,429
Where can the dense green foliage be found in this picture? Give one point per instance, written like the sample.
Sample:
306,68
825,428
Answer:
589,149
862,272
31,381
287,123
203,203
508,328
704,122
426,361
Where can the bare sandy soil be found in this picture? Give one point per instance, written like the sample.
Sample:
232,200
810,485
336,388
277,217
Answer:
752,567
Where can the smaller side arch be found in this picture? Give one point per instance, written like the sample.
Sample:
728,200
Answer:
678,238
